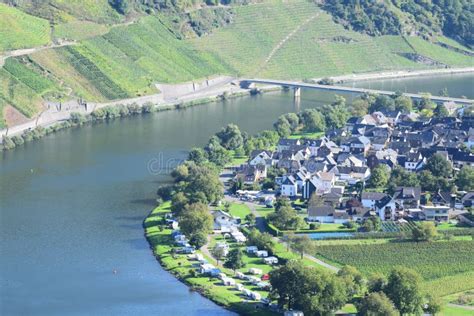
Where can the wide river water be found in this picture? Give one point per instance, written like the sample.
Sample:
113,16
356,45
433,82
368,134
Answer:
72,206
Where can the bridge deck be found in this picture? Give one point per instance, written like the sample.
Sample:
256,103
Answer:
333,88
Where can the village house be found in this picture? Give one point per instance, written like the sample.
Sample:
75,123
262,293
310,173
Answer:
320,183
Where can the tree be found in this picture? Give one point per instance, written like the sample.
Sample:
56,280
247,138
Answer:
216,153
218,253
403,104
198,239
439,166
260,240
311,290
194,219
382,103
178,203
440,111
336,114
360,107
353,279
312,120
379,177
250,218
121,6
425,231
230,137
465,179
403,288
376,304
376,282
293,120
282,126
198,155
372,224
204,180
433,306
234,259
285,218
301,244
401,177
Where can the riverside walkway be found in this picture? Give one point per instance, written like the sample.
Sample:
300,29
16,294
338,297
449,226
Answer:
298,85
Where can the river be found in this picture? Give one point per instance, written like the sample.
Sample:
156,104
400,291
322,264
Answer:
72,206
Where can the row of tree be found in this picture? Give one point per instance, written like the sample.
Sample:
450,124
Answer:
317,292
437,175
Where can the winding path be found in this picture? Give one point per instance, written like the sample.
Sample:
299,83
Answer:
260,224
283,42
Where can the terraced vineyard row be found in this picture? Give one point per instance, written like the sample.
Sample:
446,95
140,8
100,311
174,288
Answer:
257,29
17,94
20,30
431,259
393,227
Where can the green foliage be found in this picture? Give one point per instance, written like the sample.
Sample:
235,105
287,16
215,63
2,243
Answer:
403,288
401,177
263,241
336,114
376,282
312,120
439,166
426,231
230,137
198,239
301,244
371,224
195,219
285,217
121,6
355,283
379,177
365,16
312,291
465,179
376,304
234,259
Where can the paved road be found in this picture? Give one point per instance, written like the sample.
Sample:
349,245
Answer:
469,308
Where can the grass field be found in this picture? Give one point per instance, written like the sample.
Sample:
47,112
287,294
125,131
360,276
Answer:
239,210
180,265
21,30
79,30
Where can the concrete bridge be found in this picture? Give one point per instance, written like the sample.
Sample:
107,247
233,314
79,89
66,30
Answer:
298,85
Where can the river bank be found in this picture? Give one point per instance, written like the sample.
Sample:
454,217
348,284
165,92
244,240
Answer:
397,74
58,119
197,92
183,268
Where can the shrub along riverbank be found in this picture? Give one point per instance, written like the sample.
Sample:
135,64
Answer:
109,113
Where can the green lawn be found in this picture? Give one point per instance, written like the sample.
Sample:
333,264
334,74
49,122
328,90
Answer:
299,135
179,265
239,210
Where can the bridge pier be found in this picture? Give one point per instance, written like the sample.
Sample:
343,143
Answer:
297,92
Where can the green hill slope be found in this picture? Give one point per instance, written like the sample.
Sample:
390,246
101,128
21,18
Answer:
274,39
21,30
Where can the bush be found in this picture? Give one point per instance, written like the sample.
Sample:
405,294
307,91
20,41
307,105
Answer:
314,226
